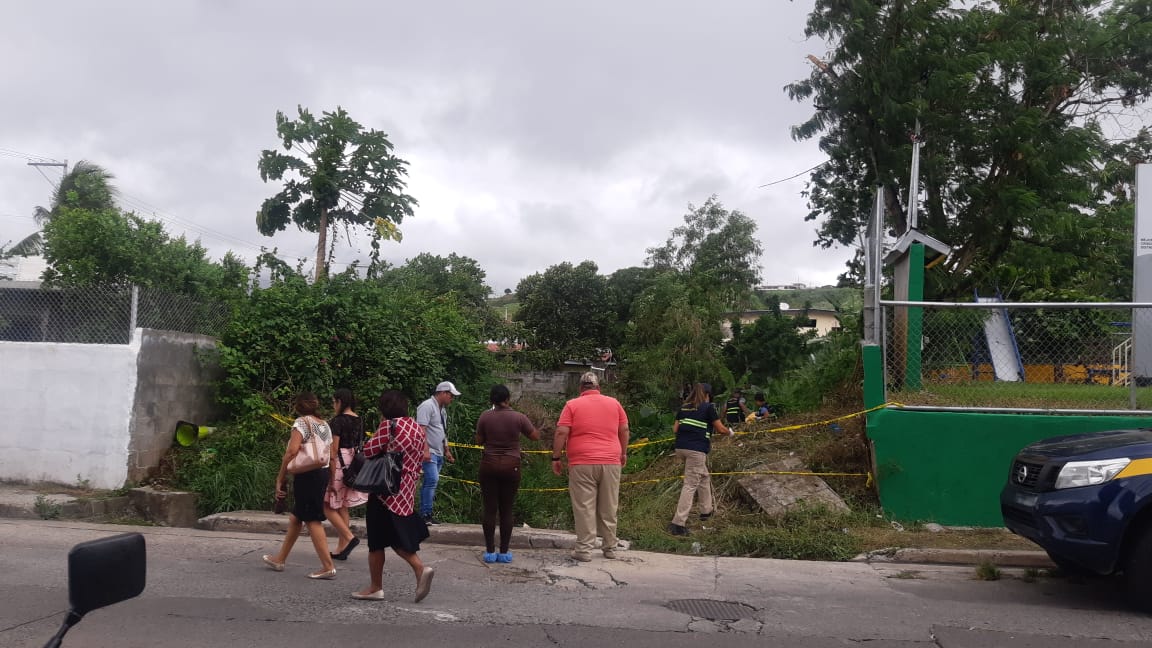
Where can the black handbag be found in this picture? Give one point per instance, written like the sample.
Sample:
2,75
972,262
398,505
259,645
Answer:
352,469
381,473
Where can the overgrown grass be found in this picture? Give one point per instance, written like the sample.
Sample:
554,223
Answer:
233,469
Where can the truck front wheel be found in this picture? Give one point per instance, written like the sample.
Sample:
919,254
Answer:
1138,570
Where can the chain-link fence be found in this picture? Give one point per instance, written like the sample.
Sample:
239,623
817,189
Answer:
102,314
1046,356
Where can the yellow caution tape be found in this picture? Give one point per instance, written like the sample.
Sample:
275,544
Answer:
678,477
787,428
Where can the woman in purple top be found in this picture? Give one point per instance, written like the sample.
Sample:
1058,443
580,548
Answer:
499,431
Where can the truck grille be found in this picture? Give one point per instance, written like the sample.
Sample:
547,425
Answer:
1025,474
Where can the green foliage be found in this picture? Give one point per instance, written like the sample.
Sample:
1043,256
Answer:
106,246
765,349
1011,98
345,332
567,311
346,175
85,186
235,468
987,571
671,341
47,508
834,372
626,285
717,250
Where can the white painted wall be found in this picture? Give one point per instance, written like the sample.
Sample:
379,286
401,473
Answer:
65,411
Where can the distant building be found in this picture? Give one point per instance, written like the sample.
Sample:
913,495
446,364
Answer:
820,320
781,287
26,270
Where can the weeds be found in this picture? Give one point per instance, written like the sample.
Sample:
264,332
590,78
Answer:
1031,575
987,571
46,508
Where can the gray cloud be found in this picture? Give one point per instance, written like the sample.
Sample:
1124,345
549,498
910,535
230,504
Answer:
536,133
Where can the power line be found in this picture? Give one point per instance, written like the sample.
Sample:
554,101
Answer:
793,177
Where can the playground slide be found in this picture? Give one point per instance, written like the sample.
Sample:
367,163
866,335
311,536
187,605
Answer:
1006,361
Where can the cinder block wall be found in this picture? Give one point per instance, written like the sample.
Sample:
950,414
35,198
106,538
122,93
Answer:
175,373
550,384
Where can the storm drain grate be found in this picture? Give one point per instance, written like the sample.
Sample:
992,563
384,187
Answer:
712,610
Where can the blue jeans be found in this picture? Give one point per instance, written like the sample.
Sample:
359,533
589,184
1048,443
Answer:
431,479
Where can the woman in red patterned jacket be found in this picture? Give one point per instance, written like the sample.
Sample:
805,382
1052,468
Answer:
392,521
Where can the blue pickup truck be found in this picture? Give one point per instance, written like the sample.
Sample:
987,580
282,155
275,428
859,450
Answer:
1087,500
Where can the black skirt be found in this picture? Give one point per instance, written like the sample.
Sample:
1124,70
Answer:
386,529
308,492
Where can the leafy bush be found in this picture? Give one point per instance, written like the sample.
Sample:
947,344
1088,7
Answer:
235,468
346,332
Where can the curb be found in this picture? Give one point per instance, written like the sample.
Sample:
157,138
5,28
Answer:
450,534
1000,558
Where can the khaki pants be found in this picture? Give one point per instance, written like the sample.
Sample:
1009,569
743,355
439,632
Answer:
595,493
697,481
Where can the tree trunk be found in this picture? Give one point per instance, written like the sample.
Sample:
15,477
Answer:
322,246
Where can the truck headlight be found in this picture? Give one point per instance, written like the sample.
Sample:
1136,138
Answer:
1089,473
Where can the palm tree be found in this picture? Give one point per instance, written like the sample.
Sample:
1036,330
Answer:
86,186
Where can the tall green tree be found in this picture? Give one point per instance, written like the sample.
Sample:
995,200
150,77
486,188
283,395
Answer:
1011,98
341,174
626,285
567,310
671,340
718,252
85,186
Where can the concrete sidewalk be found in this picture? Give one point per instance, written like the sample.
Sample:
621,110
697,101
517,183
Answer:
23,502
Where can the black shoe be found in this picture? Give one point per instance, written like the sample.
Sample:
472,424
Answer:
704,517
677,530
343,555
430,520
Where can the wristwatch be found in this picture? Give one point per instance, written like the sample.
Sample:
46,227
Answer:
556,458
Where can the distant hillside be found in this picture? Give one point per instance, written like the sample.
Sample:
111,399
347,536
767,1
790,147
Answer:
827,297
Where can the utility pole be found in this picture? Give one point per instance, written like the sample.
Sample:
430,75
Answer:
53,163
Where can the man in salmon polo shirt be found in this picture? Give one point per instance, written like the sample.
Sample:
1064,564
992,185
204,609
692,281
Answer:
593,428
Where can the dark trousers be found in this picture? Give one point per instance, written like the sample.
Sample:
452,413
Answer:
499,478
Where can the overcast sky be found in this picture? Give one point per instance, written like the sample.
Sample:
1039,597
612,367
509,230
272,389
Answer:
536,132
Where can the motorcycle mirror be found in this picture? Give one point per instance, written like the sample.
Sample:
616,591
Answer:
106,571
102,572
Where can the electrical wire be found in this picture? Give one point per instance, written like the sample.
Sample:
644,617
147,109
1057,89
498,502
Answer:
794,176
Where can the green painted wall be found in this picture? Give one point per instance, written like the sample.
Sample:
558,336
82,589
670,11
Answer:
949,467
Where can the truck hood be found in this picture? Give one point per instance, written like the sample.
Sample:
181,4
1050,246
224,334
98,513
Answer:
1094,443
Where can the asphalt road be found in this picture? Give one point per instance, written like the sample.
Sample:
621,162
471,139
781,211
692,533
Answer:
210,589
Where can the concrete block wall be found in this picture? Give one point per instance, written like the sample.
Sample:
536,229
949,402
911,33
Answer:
175,375
549,384
100,414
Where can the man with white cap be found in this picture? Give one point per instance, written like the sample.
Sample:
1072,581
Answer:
432,417
593,432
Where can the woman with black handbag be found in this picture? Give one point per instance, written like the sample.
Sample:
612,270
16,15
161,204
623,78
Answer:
347,438
392,520
306,458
